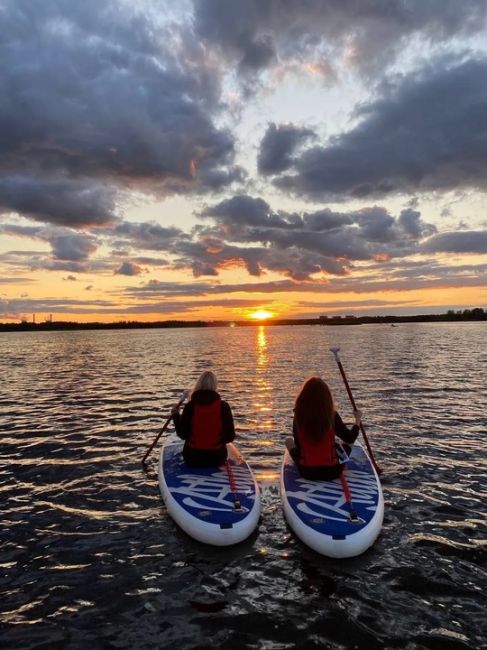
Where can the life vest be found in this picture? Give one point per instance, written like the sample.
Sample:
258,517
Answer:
317,453
206,426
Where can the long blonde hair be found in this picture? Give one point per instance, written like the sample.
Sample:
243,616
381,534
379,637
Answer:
206,381
314,409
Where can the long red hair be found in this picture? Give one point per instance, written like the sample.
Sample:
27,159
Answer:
314,410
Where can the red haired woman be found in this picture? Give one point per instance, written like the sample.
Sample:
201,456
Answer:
315,425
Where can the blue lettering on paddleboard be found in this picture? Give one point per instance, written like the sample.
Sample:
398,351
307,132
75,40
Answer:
326,499
213,492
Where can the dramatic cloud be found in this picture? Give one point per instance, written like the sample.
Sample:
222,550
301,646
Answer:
243,210
98,92
457,242
146,235
300,245
277,147
388,276
73,247
128,268
428,132
66,244
362,126
56,200
367,33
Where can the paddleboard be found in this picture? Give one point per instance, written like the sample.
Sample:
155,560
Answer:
215,505
318,513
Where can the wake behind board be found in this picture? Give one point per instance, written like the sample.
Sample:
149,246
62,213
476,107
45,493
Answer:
319,514
201,500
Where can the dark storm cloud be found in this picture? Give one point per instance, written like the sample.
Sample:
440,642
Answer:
428,132
244,210
74,247
97,91
278,146
457,242
57,200
259,33
208,257
66,243
128,268
146,235
302,244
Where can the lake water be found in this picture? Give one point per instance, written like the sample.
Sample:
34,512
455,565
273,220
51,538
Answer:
90,558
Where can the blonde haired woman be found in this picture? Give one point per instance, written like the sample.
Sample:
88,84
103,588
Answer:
206,424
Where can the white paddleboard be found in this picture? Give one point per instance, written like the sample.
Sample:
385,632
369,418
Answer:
215,505
318,513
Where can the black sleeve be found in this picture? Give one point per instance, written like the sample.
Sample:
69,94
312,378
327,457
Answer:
348,435
182,423
228,428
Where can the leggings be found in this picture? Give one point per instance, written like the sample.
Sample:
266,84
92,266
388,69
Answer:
204,457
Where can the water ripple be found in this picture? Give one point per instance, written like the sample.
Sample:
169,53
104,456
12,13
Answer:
89,555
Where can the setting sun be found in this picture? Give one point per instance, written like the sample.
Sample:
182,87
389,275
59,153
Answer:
261,314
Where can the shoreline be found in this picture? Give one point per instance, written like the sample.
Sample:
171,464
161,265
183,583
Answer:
475,315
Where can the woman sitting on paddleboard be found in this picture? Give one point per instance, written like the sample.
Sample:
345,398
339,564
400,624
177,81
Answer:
206,424
315,425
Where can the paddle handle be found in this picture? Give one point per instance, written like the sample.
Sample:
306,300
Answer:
184,395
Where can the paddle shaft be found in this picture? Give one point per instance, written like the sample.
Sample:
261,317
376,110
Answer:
233,485
166,424
348,496
354,406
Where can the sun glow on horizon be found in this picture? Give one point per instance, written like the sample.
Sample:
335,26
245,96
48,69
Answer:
261,314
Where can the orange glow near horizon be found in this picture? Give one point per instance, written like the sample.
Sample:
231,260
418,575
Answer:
261,314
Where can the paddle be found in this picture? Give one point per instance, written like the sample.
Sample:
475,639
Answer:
184,395
348,498
352,401
233,486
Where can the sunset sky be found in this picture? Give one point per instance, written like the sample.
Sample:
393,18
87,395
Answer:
209,159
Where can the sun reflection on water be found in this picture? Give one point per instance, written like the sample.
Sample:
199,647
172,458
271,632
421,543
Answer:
262,402
262,358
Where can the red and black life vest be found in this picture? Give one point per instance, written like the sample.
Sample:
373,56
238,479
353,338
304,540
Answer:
317,453
206,426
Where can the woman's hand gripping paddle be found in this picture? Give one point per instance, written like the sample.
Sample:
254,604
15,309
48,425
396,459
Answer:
352,401
183,397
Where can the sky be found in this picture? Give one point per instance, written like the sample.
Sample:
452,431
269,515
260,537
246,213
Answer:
213,159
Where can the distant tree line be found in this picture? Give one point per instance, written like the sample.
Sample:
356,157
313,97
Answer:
476,314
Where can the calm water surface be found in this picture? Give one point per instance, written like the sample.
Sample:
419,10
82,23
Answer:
89,557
